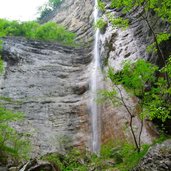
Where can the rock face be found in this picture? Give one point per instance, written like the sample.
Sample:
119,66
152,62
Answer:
117,46
50,83
158,158
77,16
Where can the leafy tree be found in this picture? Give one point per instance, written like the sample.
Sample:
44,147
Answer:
100,23
139,78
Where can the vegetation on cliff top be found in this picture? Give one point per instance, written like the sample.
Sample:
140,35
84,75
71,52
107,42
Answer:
49,31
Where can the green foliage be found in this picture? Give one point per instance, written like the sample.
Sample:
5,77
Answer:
12,144
101,5
130,157
29,29
101,24
167,69
126,5
162,8
136,75
118,21
55,159
160,37
140,75
48,32
53,32
70,161
112,156
163,37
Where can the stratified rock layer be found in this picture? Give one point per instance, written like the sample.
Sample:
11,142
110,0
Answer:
50,84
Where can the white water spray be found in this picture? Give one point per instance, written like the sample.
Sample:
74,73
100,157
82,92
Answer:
95,79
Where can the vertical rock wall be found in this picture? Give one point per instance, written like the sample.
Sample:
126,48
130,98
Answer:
117,46
51,82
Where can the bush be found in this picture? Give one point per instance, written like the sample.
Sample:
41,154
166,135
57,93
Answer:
12,144
48,32
113,156
101,24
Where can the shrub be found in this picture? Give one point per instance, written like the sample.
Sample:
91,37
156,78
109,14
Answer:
101,24
48,32
113,156
12,144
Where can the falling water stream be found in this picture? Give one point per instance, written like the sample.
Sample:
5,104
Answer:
95,79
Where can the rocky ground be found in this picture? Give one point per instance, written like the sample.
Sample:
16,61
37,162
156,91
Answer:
158,158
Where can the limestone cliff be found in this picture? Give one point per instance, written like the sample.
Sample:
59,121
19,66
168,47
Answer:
116,45
51,82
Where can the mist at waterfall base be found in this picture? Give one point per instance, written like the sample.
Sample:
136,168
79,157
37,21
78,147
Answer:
22,10
95,79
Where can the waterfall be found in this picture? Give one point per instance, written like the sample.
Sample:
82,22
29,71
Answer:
95,79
